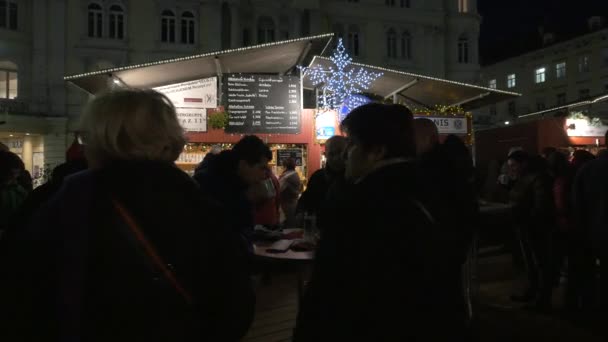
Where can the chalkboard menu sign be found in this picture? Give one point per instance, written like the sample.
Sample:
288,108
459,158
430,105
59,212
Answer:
262,103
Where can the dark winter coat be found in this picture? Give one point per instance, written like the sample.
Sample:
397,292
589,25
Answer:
77,274
591,201
446,187
219,181
312,200
369,276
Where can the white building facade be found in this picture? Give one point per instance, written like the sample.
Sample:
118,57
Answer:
550,80
43,40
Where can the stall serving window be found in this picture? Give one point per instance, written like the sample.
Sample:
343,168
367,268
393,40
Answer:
194,153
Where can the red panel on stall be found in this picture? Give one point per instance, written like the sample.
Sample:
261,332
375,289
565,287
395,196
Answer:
305,137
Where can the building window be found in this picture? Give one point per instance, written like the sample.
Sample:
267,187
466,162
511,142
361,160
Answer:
493,110
265,30
511,108
188,24
95,21
561,99
389,3
541,75
167,27
583,94
226,26
8,81
246,37
117,22
583,64
405,3
406,45
391,43
560,70
540,104
492,84
463,49
8,14
463,6
511,81
305,23
353,42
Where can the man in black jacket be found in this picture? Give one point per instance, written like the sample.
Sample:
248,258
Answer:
446,189
228,176
368,282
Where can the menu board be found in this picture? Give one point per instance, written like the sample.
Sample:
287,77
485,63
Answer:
262,103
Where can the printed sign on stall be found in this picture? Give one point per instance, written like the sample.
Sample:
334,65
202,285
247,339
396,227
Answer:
193,94
583,128
449,125
325,125
295,154
192,119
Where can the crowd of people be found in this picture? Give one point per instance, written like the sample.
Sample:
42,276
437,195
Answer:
560,203
121,244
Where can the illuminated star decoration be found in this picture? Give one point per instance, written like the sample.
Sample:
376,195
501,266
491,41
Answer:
342,82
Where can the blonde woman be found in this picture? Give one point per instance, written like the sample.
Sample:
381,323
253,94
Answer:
130,250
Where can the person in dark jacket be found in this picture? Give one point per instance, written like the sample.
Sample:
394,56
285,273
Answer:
229,175
446,188
120,253
534,217
591,214
12,193
321,180
369,277
38,197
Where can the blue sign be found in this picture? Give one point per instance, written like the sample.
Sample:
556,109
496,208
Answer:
351,103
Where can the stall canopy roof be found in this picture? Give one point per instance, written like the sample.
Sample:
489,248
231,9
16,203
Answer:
282,58
272,58
424,91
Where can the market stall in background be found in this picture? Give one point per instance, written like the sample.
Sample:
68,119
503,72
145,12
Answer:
570,133
287,94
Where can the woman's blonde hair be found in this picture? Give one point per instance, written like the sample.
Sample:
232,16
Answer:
131,125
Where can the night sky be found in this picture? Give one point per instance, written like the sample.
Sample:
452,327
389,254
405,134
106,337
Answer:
510,27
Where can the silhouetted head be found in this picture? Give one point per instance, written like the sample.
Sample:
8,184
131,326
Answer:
334,153
251,156
377,132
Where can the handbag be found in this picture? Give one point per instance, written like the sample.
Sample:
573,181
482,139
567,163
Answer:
150,252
